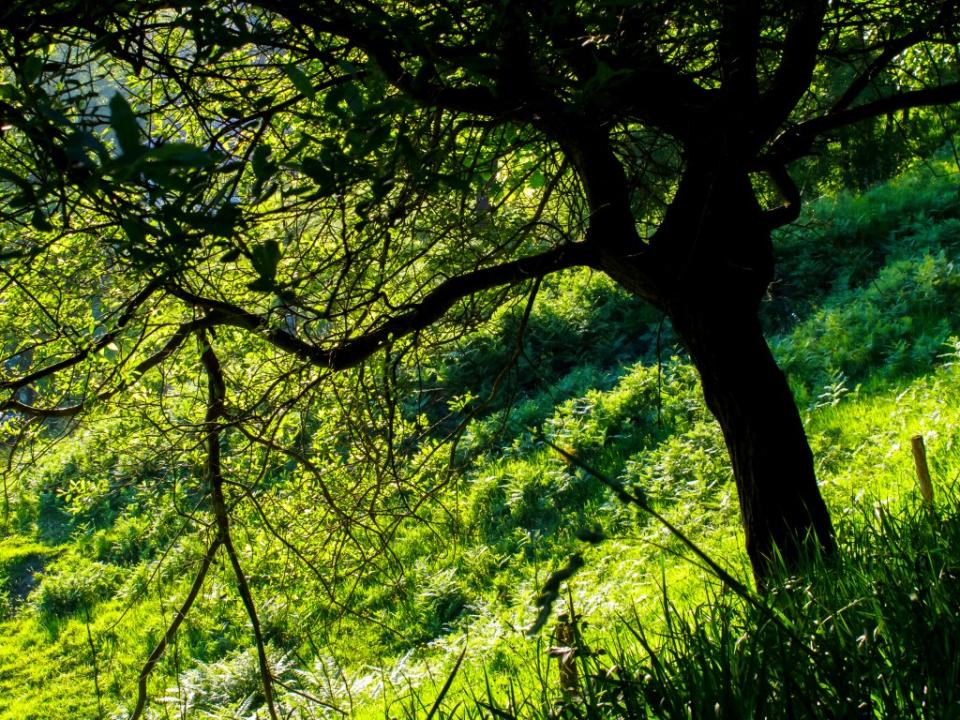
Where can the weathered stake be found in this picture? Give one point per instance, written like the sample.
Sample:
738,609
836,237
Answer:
566,652
923,470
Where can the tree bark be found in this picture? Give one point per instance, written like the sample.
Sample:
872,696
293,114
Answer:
714,257
780,502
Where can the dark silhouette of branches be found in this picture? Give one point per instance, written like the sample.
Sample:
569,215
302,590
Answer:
216,394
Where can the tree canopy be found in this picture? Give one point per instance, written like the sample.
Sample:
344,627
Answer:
255,219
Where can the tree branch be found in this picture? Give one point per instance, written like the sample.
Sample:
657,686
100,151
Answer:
174,342
798,141
738,41
105,340
789,211
889,53
437,302
797,63
373,39
216,392
171,632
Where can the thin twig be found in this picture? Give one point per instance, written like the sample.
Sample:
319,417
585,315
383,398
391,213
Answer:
93,662
725,577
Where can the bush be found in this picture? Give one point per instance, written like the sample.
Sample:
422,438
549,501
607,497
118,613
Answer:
230,687
842,242
892,328
74,582
873,631
126,542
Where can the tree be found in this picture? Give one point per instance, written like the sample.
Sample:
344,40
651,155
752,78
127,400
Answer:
344,180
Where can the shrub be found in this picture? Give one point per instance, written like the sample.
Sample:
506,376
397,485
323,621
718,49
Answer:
74,582
895,326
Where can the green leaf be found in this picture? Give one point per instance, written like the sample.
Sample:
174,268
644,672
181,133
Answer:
180,153
265,258
604,78
260,162
31,69
332,100
8,92
20,182
296,149
347,93
40,222
300,81
223,223
134,231
354,98
261,285
124,124
370,139
321,174
77,145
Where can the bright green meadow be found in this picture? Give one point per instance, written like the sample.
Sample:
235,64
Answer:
435,615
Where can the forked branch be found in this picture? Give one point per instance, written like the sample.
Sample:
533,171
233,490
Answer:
171,632
216,393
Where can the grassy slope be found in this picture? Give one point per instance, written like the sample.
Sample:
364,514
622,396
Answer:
865,463
881,326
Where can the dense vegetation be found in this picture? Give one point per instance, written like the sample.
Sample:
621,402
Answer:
415,359
95,558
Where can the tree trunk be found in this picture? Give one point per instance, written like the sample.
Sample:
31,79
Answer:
780,503
713,260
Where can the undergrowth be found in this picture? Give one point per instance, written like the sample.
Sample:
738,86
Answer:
95,562
872,631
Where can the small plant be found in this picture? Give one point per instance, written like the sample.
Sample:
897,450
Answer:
73,583
951,356
834,391
229,687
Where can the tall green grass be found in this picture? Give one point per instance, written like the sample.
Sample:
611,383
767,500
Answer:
871,632
96,565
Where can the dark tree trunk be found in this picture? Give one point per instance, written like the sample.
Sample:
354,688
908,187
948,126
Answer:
713,260
780,503
724,266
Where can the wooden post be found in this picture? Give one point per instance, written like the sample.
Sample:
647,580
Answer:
566,637
923,471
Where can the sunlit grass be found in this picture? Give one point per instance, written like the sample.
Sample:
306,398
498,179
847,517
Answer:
86,596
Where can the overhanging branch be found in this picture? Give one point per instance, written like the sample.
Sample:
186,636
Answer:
789,211
169,347
105,339
798,141
437,302
889,53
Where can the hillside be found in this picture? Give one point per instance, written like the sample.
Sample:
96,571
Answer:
476,516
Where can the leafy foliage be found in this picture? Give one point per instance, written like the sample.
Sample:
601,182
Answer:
291,294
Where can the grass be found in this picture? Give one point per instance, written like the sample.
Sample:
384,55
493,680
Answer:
672,635
861,634
634,595
90,577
